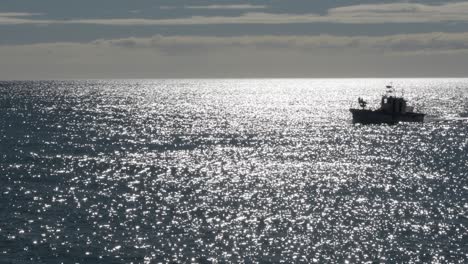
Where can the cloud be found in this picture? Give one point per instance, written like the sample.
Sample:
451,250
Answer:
402,43
17,14
248,56
216,7
224,7
16,18
356,14
400,13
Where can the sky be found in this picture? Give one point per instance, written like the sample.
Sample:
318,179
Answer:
101,39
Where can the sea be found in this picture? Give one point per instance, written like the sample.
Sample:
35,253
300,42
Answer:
231,171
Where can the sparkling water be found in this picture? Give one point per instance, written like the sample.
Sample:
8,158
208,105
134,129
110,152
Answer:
227,171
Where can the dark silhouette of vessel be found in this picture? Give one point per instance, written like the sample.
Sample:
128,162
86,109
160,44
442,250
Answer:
393,109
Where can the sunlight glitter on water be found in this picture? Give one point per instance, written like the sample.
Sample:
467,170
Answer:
230,171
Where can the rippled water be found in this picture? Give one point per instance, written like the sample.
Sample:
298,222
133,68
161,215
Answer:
216,171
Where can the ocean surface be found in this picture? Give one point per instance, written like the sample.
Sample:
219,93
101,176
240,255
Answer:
229,171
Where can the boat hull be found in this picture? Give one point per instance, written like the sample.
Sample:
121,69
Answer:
364,116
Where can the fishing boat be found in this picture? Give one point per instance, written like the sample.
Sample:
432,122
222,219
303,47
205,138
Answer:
393,109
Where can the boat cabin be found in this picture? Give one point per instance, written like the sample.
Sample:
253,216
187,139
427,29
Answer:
391,104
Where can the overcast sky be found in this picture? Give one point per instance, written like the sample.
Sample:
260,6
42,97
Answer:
64,39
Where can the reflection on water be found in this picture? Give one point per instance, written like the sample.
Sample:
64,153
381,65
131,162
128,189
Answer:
230,171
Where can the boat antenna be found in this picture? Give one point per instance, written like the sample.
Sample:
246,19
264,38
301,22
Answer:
390,88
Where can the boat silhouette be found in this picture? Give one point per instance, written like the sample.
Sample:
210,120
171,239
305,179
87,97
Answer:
393,109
